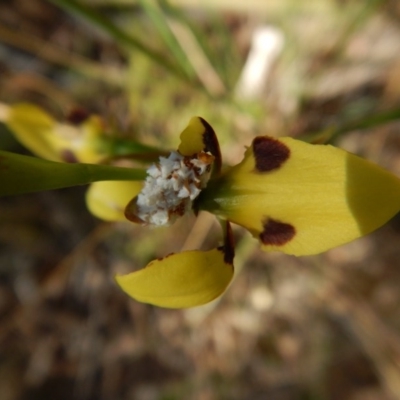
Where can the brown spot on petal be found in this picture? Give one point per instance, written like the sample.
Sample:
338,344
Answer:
77,116
68,156
269,153
276,233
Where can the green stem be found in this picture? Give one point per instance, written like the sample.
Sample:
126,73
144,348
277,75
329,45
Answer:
160,23
24,174
331,134
121,147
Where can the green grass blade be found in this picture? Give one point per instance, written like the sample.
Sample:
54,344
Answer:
221,61
158,18
332,133
118,35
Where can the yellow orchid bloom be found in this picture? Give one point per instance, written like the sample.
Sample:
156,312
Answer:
292,196
55,141
72,142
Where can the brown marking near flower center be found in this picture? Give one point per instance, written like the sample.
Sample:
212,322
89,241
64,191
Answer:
205,158
276,233
269,153
77,116
131,212
68,156
229,245
178,210
211,144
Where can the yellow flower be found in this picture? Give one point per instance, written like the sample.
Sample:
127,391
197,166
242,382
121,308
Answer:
54,141
81,141
292,196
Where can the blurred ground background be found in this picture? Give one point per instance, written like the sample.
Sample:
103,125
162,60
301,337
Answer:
323,327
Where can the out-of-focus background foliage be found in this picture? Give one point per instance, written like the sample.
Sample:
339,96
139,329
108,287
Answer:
323,327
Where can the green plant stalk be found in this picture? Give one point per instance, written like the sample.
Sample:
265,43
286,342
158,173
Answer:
21,174
209,66
370,121
221,62
116,146
332,133
158,19
120,36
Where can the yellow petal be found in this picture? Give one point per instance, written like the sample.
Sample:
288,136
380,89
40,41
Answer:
200,136
301,198
182,280
107,199
89,148
34,128
54,141
192,138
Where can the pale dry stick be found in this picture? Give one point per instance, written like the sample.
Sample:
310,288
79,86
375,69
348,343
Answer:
4,112
379,342
200,229
56,55
196,56
266,44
